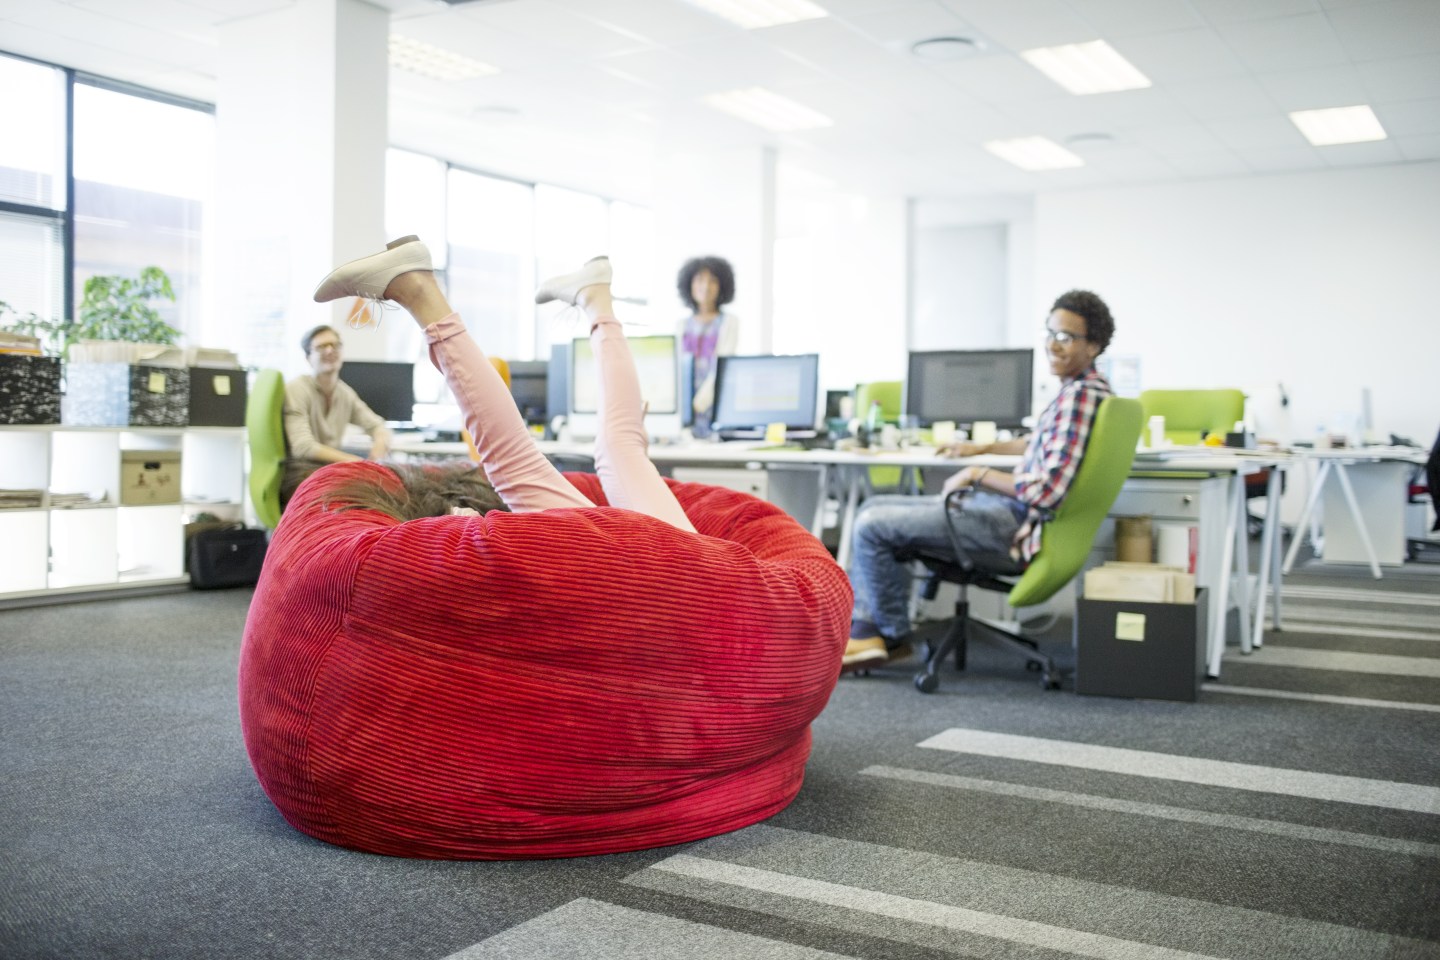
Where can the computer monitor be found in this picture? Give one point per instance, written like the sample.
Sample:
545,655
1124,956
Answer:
970,386
529,385
753,392
658,366
386,388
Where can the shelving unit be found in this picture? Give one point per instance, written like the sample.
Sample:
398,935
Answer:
103,546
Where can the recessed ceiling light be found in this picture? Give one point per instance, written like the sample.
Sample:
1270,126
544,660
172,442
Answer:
753,14
944,49
1034,153
768,109
1324,128
1082,68
428,60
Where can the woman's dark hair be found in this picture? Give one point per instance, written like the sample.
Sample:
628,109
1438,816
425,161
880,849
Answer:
719,268
1099,325
424,491
314,332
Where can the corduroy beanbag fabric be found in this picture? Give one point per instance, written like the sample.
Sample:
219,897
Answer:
550,684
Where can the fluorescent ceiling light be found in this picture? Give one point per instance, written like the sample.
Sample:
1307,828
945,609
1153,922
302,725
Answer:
753,14
769,110
1092,67
1324,128
428,60
1034,153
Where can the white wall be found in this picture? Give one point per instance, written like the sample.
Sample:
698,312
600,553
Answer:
1321,281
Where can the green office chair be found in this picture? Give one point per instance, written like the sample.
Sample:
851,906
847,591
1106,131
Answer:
1066,545
265,430
1190,414
890,394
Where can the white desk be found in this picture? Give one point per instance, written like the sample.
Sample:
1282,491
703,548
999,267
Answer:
1365,520
1217,496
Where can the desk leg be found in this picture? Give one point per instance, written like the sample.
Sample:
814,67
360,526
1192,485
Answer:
1360,527
1269,559
847,516
1320,476
1221,600
822,493
1242,559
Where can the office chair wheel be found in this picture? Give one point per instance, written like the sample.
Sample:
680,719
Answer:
927,682
1048,682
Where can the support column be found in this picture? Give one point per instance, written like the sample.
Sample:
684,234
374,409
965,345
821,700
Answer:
301,118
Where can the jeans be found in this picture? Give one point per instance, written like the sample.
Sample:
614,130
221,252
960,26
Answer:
984,522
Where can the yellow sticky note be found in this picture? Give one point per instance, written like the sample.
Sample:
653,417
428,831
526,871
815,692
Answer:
1129,626
156,383
222,385
775,433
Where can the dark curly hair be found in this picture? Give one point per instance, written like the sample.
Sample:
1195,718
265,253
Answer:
1099,325
719,268
423,491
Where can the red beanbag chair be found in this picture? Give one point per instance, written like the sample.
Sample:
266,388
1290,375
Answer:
550,684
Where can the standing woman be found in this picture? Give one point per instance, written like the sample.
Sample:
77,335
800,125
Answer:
706,285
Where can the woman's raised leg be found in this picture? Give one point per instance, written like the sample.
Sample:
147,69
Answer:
525,480
629,478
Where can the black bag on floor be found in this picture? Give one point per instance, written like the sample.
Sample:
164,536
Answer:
228,557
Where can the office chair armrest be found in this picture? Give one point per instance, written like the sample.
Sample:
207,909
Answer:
962,558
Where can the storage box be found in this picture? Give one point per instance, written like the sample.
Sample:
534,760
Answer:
121,394
29,389
217,397
1150,582
1152,651
149,476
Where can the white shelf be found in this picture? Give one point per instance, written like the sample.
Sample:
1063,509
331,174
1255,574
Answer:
61,550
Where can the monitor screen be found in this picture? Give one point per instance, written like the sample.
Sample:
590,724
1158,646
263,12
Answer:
968,386
529,385
753,392
386,388
656,364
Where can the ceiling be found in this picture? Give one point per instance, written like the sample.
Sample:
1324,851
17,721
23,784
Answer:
597,93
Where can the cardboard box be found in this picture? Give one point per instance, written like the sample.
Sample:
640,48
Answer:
217,397
149,476
29,389
1148,582
1151,651
124,394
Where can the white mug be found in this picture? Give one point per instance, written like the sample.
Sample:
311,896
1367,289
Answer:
1157,431
983,432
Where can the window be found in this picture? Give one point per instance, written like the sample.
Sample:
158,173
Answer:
144,178
32,189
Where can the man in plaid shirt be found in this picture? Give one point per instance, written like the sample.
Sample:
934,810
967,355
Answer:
1005,511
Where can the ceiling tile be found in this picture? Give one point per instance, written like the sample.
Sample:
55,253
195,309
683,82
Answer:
1262,160
1258,133
1231,11
1360,154
1180,56
1399,29
560,29
998,79
1231,97
1284,43
1023,26
1217,164
1127,18
1110,112
1415,118
1411,78
834,48
1173,140
662,23
1312,89
1419,148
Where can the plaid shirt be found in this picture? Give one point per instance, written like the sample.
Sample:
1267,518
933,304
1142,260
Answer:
1053,455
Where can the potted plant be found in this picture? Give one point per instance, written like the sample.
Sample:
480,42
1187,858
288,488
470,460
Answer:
112,308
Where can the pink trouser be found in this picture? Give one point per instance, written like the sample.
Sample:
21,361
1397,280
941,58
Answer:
525,480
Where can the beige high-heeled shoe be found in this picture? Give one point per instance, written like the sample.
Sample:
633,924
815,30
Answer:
369,276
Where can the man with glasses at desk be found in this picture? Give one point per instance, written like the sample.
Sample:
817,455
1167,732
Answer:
1006,512
318,408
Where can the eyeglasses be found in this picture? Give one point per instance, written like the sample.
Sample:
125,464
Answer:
322,347
1063,337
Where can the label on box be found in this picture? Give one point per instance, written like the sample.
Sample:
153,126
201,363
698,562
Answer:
775,433
222,385
1129,626
156,383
